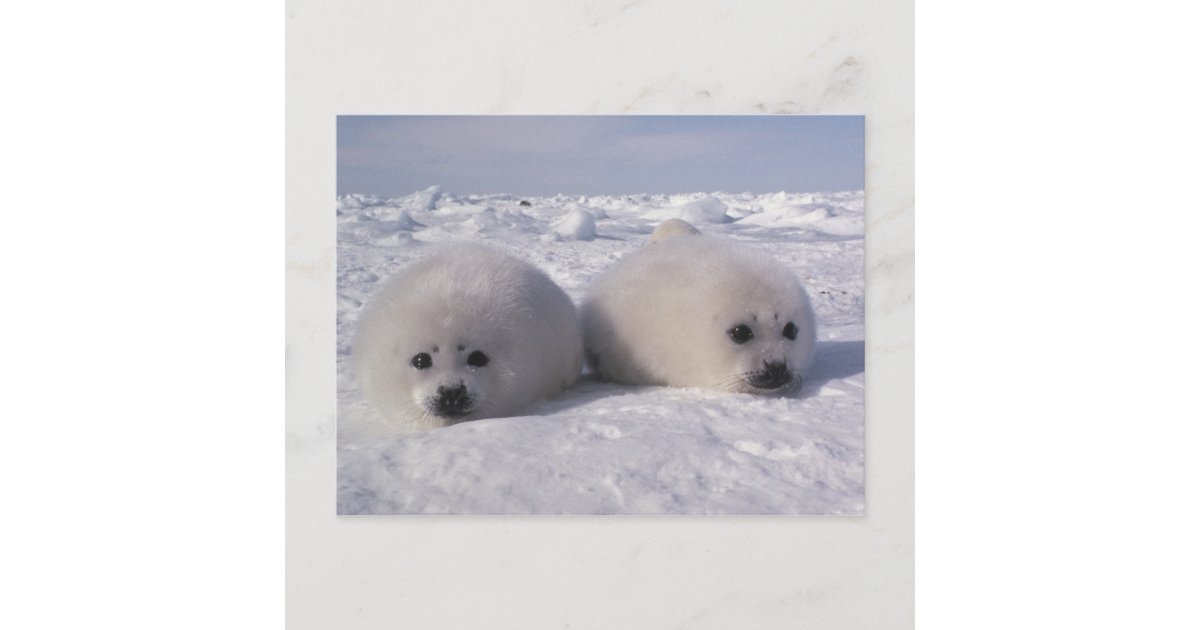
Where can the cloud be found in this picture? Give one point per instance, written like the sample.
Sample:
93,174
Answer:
405,138
590,154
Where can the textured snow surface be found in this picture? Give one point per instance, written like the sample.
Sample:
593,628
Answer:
601,448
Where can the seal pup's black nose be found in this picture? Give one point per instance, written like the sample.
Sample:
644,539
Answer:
452,402
773,376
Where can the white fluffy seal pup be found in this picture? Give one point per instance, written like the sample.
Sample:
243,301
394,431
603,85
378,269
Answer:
464,333
695,310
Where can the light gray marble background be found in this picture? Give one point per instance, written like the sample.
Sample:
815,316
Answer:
599,57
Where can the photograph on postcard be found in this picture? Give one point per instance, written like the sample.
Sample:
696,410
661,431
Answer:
600,315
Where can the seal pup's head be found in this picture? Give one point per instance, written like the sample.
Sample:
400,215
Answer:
762,334
450,382
672,228
433,350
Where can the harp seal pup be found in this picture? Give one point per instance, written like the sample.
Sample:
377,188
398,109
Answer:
466,332
696,310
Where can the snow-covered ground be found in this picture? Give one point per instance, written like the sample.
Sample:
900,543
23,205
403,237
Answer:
601,448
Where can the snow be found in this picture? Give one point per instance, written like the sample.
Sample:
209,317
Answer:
426,199
602,448
706,210
578,224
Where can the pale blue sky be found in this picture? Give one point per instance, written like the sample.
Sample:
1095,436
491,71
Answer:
599,155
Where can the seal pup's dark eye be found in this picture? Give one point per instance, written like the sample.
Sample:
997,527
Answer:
477,359
789,331
740,333
422,361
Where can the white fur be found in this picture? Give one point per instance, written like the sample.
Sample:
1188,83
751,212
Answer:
661,316
670,228
472,297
